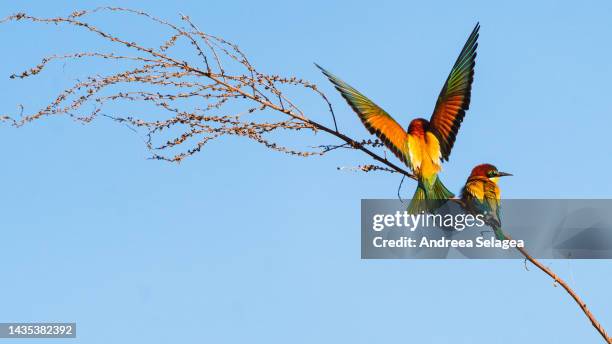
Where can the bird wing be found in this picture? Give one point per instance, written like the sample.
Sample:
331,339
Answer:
492,199
483,197
375,119
454,98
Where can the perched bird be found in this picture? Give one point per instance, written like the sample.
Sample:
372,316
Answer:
425,144
481,195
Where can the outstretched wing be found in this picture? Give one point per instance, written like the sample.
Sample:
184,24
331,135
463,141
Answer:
454,99
375,119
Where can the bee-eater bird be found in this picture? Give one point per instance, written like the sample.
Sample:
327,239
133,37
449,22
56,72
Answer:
425,144
481,195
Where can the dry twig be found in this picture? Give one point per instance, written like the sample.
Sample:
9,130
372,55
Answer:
221,78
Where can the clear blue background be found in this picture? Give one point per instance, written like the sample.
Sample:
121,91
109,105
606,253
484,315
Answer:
243,245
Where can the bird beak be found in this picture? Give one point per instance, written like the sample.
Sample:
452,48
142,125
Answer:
503,174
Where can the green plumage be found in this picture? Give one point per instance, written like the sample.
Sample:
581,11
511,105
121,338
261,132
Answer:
499,233
429,196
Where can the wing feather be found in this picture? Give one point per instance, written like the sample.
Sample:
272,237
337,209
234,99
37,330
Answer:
376,120
454,99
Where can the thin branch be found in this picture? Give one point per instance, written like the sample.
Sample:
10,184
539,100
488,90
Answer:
215,83
367,168
399,189
556,279
569,290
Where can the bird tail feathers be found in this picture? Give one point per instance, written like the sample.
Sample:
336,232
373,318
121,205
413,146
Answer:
429,196
499,234
439,191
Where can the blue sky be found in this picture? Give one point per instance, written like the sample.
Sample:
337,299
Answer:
240,244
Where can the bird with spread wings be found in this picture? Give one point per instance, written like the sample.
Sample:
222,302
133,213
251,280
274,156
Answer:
425,144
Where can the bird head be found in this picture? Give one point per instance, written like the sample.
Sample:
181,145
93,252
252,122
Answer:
418,127
487,171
